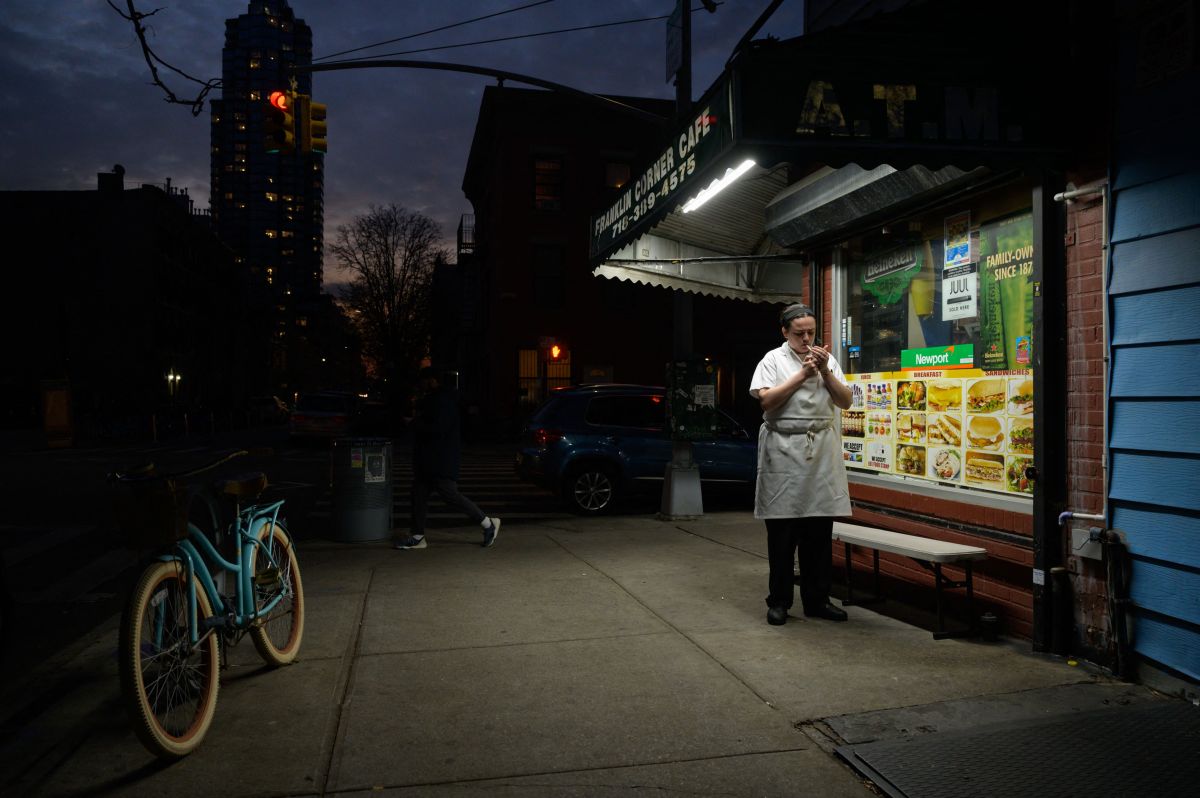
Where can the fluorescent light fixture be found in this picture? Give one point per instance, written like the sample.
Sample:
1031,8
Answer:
731,174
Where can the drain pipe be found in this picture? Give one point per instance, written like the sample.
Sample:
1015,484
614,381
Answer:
1116,570
1116,564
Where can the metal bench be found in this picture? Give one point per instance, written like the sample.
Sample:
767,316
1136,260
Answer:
928,553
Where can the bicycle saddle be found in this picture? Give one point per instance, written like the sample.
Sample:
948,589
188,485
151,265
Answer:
244,485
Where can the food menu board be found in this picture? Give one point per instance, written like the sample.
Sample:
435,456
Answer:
961,426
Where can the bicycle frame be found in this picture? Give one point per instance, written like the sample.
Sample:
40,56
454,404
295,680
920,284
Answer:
198,549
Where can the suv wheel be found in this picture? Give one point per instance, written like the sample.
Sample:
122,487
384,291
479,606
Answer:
591,490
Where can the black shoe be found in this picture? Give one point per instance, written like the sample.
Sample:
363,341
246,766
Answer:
777,616
826,611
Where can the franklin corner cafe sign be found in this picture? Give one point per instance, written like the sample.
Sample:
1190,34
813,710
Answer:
693,149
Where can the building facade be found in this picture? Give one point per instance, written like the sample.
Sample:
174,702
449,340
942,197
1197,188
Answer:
539,162
1003,261
139,312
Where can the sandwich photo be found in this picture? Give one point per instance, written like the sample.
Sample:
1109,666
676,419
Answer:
1020,400
986,395
910,460
945,428
1015,475
945,464
945,394
985,469
911,427
910,395
985,432
1020,436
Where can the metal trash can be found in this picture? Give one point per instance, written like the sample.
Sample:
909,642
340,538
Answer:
362,489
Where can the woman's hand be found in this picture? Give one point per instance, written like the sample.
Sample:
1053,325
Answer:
817,360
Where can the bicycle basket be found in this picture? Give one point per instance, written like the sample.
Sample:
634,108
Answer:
151,513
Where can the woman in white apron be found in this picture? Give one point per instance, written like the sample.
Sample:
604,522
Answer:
801,479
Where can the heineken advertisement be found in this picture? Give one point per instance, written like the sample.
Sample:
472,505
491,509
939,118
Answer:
886,274
955,356
680,170
963,428
1006,293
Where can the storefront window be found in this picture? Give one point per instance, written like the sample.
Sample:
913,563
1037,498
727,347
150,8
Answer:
937,341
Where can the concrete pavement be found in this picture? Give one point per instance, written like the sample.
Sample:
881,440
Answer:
575,657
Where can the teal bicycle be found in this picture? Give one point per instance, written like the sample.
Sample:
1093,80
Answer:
193,600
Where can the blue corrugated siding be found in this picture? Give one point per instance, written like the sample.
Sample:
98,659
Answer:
1158,533
1151,426
1168,644
1154,376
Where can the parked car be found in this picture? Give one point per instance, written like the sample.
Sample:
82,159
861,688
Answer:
268,410
593,443
323,414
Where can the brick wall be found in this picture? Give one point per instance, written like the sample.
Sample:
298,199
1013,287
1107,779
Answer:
1086,484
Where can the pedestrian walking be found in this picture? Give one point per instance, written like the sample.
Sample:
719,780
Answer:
436,453
801,482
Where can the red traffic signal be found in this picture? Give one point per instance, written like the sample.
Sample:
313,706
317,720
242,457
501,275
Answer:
279,124
556,352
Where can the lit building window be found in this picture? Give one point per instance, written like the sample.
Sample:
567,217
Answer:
288,234
255,94
272,233
229,195
272,196
255,63
616,174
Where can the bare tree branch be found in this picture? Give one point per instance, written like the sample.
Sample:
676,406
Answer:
391,253
152,58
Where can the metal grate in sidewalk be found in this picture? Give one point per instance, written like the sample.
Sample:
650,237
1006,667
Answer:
1146,750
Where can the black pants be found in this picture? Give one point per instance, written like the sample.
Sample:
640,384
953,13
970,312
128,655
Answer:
813,538
448,490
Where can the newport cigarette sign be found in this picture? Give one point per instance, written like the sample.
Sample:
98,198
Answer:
955,356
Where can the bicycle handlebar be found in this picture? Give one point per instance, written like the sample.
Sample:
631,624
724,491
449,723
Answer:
148,472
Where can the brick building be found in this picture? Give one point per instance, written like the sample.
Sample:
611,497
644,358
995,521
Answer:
539,162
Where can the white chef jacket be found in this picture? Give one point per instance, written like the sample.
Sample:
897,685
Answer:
800,467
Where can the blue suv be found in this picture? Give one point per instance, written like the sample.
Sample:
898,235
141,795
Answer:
593,443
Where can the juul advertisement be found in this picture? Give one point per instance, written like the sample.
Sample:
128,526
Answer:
687,155
957,426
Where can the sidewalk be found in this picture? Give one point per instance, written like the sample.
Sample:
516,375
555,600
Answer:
576,657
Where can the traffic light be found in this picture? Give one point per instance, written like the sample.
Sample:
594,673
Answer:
312,126
556,352
280,123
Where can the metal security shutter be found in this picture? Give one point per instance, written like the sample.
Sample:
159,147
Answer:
1154,310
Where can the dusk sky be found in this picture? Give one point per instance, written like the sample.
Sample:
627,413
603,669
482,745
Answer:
79,91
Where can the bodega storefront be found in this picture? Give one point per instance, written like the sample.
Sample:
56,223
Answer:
889,174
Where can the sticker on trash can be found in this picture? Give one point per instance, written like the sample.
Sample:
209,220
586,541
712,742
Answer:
356,458
375,467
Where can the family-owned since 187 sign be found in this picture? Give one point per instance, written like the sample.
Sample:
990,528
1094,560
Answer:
689,153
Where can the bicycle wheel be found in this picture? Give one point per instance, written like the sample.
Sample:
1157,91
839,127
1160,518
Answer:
170,686
277,636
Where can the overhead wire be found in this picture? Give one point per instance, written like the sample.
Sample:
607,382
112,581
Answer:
512,38
498,39
436,30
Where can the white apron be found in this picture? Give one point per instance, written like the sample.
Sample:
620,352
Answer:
800,468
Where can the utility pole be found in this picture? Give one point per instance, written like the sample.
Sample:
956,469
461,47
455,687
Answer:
681,496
